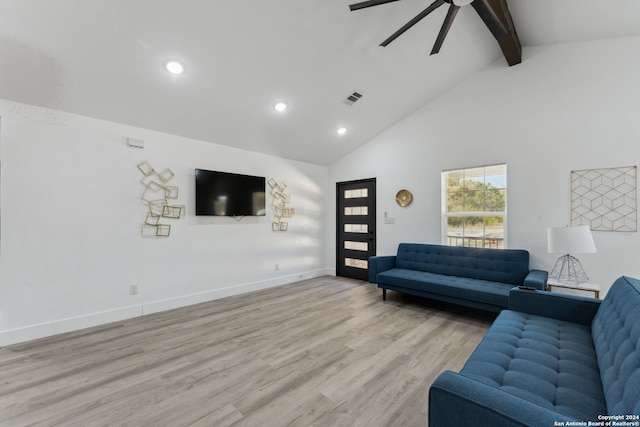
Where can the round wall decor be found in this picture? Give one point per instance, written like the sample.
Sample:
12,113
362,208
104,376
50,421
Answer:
404,197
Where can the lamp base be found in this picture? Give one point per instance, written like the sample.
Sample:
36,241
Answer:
568,270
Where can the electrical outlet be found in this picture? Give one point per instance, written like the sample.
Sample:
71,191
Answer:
277,267
133,290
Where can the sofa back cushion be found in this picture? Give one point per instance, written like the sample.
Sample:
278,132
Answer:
508,266
616,337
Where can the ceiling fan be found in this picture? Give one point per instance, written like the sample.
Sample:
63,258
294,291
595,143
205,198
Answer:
494,13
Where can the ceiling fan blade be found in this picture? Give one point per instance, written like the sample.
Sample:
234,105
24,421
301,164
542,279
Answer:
490,18
368,3
436,4
451,14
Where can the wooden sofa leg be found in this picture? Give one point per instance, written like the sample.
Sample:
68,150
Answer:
384,294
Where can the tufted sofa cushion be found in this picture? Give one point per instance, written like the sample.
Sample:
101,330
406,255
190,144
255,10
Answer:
509,266
549,362
616,336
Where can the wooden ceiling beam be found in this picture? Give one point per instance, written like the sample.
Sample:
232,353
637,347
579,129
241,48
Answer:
509,43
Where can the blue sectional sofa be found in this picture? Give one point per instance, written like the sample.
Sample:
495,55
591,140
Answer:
474,277
551,360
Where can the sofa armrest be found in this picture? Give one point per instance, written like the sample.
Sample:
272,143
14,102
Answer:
536,279
456,400
570,308
378,264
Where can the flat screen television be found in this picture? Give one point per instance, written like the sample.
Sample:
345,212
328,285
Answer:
229,194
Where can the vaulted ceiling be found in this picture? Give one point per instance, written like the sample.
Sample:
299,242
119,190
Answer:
105,59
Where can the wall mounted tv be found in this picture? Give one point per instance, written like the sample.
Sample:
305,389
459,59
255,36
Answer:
229,194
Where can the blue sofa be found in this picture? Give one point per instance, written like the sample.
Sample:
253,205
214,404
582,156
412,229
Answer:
551,359
474,277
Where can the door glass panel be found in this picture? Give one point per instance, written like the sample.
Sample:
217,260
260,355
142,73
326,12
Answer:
356,210
356,228
356,263
356,246
356,194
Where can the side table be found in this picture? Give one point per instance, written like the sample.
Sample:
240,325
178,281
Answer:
589,287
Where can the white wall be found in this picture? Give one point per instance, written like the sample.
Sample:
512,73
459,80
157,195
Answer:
71,217
565,107
71,244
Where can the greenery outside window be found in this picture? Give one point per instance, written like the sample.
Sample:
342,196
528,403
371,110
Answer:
474,206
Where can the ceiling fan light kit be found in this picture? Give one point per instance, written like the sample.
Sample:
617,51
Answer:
494,13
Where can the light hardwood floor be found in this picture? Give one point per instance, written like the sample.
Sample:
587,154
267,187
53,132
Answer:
322,352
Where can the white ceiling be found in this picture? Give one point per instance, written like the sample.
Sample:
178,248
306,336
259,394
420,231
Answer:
104,59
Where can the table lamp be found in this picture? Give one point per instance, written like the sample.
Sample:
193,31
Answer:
567,240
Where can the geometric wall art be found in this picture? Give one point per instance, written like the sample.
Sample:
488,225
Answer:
605,199
156,196
279,201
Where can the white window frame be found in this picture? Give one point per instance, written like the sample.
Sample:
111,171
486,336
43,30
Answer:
445,214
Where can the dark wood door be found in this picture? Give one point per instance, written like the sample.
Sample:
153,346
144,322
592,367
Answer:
355,227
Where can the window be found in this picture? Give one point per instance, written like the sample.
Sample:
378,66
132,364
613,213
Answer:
474,206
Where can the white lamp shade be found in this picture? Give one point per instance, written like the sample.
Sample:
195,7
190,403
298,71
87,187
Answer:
570,240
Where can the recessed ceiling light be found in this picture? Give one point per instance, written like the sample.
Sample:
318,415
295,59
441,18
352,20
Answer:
280,107
174,67
341,130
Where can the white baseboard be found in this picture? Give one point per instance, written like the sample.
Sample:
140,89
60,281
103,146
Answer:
183,301
42,330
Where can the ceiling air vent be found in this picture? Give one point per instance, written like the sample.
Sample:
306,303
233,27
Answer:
353,98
